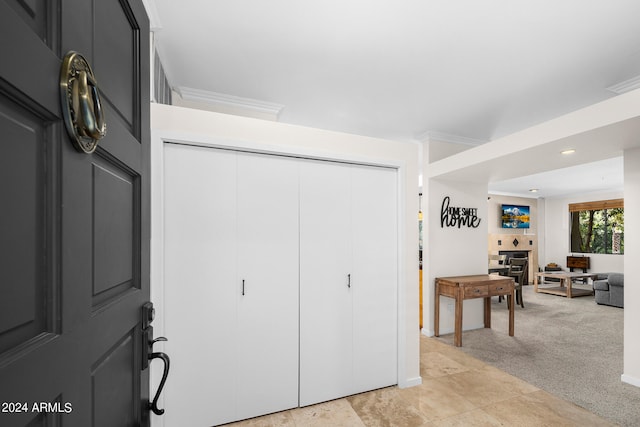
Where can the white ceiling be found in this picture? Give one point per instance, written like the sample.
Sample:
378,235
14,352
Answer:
601,176
404,69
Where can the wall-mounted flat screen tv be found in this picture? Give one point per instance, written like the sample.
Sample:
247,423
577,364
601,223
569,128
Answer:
515,216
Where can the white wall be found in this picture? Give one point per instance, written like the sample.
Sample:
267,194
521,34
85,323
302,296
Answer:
209,128
558,239
452,251
631,271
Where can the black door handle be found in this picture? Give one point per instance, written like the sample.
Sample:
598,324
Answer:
153,405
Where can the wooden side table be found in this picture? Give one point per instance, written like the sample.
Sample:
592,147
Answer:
468,287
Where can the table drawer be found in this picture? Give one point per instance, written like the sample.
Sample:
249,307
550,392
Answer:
476,291
498,289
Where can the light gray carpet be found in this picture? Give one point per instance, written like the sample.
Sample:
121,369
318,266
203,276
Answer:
571,348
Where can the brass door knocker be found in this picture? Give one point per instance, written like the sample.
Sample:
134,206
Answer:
81,107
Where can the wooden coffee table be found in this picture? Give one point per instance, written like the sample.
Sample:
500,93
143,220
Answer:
566,280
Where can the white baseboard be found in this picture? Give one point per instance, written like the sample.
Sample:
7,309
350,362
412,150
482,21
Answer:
630,380
427,332
410,382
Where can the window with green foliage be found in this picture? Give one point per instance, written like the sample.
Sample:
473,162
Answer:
597,227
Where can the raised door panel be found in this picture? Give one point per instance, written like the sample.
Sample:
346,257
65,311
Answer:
120,80
201,287
325,294
116,225
25,310
268,301
40,15
375,276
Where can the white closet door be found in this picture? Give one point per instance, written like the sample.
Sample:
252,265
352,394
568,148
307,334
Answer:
200,284
375,276
268,266
326,332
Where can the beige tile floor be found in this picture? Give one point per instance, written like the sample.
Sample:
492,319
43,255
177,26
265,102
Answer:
456,390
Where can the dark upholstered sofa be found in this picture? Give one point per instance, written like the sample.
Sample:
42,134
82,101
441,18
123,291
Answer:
609,289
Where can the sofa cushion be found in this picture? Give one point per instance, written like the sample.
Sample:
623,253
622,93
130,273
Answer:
616,279
601,285
601,276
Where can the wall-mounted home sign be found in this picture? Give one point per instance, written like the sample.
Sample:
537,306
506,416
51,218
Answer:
451,216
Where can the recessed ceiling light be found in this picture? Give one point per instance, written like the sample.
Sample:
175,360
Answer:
570,151
534,190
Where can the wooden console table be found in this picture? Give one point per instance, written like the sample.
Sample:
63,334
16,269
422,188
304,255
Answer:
566,280
468,287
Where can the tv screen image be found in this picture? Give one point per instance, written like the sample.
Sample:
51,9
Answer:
515,216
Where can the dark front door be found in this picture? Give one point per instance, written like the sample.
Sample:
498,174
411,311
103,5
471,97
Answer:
74,243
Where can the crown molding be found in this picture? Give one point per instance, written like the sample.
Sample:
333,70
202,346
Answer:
625,86
214,98
446,137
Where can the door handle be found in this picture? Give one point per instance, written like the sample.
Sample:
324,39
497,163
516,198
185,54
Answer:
147,316
85,101
153,405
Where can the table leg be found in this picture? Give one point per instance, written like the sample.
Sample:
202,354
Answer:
535,282
487,312
436,320
511,312
458,323
568,284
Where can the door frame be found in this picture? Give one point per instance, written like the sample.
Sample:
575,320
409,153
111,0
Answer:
161,136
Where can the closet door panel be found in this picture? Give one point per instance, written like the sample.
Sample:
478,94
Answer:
268,265
326,351
200,284
375,276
